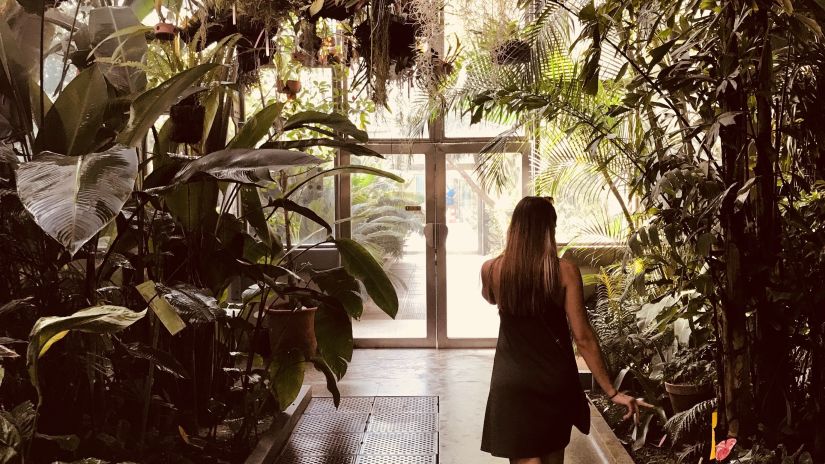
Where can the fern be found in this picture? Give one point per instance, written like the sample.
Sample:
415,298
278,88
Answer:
686,424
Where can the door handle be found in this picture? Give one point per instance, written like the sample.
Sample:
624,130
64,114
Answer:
435,234
429,234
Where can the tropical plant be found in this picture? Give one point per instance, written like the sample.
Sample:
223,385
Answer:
117,229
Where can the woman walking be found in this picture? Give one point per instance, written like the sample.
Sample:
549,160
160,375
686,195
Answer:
535,394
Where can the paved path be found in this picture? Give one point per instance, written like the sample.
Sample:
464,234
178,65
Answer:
460,378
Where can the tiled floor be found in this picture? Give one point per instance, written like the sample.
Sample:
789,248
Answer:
459,378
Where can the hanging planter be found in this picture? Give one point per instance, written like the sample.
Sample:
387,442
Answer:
513,51
187,121
165,32
292,330
290,87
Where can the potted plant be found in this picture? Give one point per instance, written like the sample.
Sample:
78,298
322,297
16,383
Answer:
689,378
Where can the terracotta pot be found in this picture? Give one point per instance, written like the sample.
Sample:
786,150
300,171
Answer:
290,330
685,396
164,31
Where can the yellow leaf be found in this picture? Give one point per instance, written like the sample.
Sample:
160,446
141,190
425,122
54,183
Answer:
183,434
316,7
165,312
56,338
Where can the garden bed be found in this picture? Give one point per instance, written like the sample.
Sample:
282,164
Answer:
650,453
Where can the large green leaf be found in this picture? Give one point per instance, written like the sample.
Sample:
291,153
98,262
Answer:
10,441
286,375
338,284
150,105
16,112
350,147
190,204
105,23
257,127
335,121
73,197
96,319
345,170
308,213
243,164
360,264
71,126
333,330
252,211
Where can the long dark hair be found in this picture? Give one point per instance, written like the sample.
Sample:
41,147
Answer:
529,279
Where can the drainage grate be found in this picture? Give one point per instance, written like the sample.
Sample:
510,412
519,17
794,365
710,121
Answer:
408,404
396,460
289,458
402,422
332,423
320,444
352,404
395,444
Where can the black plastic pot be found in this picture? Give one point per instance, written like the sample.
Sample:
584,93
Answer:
187,122
512,52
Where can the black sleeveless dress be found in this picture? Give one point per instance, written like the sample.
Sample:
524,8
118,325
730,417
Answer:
535,393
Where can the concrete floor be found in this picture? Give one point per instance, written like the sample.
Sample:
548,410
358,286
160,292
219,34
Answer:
461,379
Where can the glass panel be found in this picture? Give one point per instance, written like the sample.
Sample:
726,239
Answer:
465,30
388,218
477,221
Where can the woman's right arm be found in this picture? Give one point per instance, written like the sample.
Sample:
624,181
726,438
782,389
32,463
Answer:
586,340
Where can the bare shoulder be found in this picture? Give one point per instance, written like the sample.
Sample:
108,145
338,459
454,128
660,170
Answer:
489,263
569,271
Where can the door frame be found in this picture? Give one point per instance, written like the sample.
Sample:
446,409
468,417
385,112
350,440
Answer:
435,215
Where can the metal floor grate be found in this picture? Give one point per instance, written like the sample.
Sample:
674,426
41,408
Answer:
332,423
396,460
402,422
406,404
289,458
352,404
400,444
320,444
366,430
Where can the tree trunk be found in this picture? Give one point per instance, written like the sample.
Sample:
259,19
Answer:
736,398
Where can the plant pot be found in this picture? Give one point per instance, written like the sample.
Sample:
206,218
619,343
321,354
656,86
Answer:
290,330
187,122
685,396
512,52
165,32
290,87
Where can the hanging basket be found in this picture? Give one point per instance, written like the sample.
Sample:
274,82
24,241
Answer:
292,330
165,32
289,87
512,52
187,121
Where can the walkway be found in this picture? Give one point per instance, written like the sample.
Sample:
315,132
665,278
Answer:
460,378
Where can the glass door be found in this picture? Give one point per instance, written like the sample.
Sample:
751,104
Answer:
389,218
476,219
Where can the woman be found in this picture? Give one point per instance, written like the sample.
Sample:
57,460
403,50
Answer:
535,394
